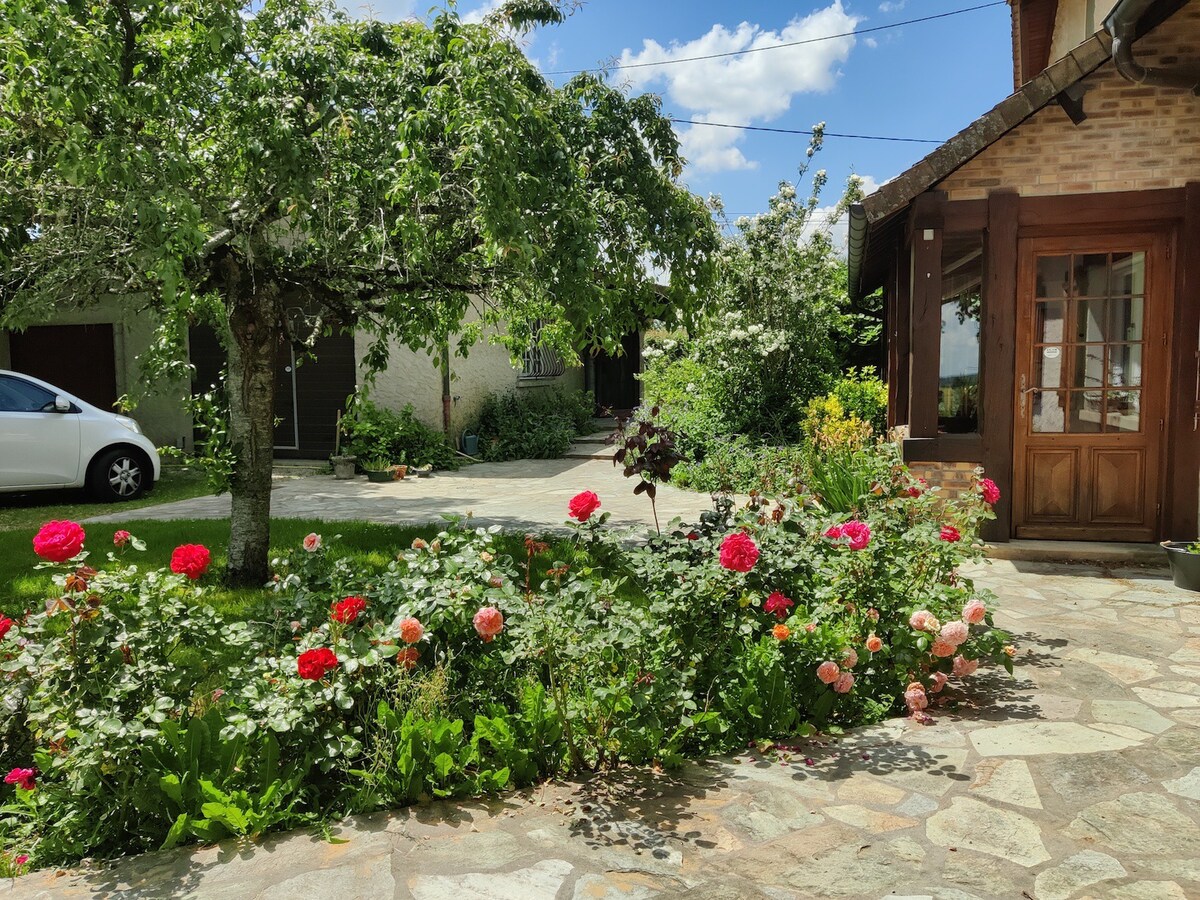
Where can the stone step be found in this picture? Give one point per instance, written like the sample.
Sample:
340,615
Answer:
1094,552
590,451
299,468
599,437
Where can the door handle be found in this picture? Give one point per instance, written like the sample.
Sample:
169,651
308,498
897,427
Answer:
1025,392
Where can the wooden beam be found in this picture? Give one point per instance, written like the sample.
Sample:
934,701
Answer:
898,331
1181,491
925,333
1104,211
998,336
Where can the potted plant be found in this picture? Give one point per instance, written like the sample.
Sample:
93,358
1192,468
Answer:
1184,557
379,469
400,469
343,465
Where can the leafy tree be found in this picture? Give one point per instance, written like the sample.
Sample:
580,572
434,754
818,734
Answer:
277,170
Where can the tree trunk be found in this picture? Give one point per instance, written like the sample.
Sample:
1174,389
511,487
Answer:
254,334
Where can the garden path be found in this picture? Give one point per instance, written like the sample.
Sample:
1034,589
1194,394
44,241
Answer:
1080,777
526,494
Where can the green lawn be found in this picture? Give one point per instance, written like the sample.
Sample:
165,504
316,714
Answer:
28,511
368,544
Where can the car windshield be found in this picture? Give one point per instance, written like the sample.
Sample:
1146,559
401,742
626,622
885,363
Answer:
18,395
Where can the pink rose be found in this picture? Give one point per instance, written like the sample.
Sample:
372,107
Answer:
950,534
964,667
582,505
778,605
21,858
58,541
849,658
828,672
312,542
955,633
833,532
121,538
939,682
6,625
859,534
738,552
844,682
942,648
915,698
974,612
990,492
874,644
923,620
25,779
488,622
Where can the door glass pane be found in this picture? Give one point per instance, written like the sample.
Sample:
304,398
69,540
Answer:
1091,275
1053,276
1047,409
1125,319
1125,365
1123,411
1087,412
1089,366
1089,321
1128,274
1048,363
1049,326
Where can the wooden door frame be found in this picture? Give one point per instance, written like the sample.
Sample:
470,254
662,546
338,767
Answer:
1157,242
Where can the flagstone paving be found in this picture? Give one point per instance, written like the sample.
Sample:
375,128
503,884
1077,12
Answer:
1078,778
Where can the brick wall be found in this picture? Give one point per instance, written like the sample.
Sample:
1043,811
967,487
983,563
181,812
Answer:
954,478
1134,138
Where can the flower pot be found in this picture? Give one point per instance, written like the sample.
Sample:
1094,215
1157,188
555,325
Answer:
398,472
380,476
470,444
343,467
1185,566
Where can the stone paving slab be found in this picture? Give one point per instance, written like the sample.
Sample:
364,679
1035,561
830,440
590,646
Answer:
522,495
1077,778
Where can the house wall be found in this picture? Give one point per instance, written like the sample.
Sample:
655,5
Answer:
1075,22
954,478
414,377
161,412
1134,138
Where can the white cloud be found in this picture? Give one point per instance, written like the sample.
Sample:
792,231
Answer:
742,89
890,6
477,15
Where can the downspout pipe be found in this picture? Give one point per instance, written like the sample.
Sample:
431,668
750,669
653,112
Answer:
1122,25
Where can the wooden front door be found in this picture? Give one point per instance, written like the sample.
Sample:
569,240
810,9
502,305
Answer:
1091,388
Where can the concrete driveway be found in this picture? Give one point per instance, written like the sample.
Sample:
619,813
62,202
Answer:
524,495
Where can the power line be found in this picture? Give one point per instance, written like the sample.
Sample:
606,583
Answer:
833,134
827,37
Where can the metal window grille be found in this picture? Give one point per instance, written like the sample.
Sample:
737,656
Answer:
540,361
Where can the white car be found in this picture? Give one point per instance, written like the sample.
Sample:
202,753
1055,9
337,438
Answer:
50,439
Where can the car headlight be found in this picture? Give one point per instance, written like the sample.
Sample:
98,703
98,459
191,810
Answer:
130,424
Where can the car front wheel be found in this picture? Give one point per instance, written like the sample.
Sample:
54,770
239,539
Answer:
119,475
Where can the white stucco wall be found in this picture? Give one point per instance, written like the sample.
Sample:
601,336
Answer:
159,410
1075,22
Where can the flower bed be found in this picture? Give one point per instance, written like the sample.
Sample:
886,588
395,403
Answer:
137,717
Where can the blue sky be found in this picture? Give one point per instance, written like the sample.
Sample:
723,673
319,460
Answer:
924,80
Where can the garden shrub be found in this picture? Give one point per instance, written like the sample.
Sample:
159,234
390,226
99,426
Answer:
143,718
532,423
373,432
863,395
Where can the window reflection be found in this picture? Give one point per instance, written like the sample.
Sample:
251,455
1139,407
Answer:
958,370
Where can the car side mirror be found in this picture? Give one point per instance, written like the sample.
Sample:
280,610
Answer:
62,404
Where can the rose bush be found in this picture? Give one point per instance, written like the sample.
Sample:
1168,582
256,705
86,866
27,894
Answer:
472,662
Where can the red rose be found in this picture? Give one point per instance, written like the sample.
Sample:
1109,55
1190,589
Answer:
408,657
347,610
858,533
313,664
583,505
950,534
191,560
121,538
834,532
738,552
778,605
991,493
5,625
58,541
